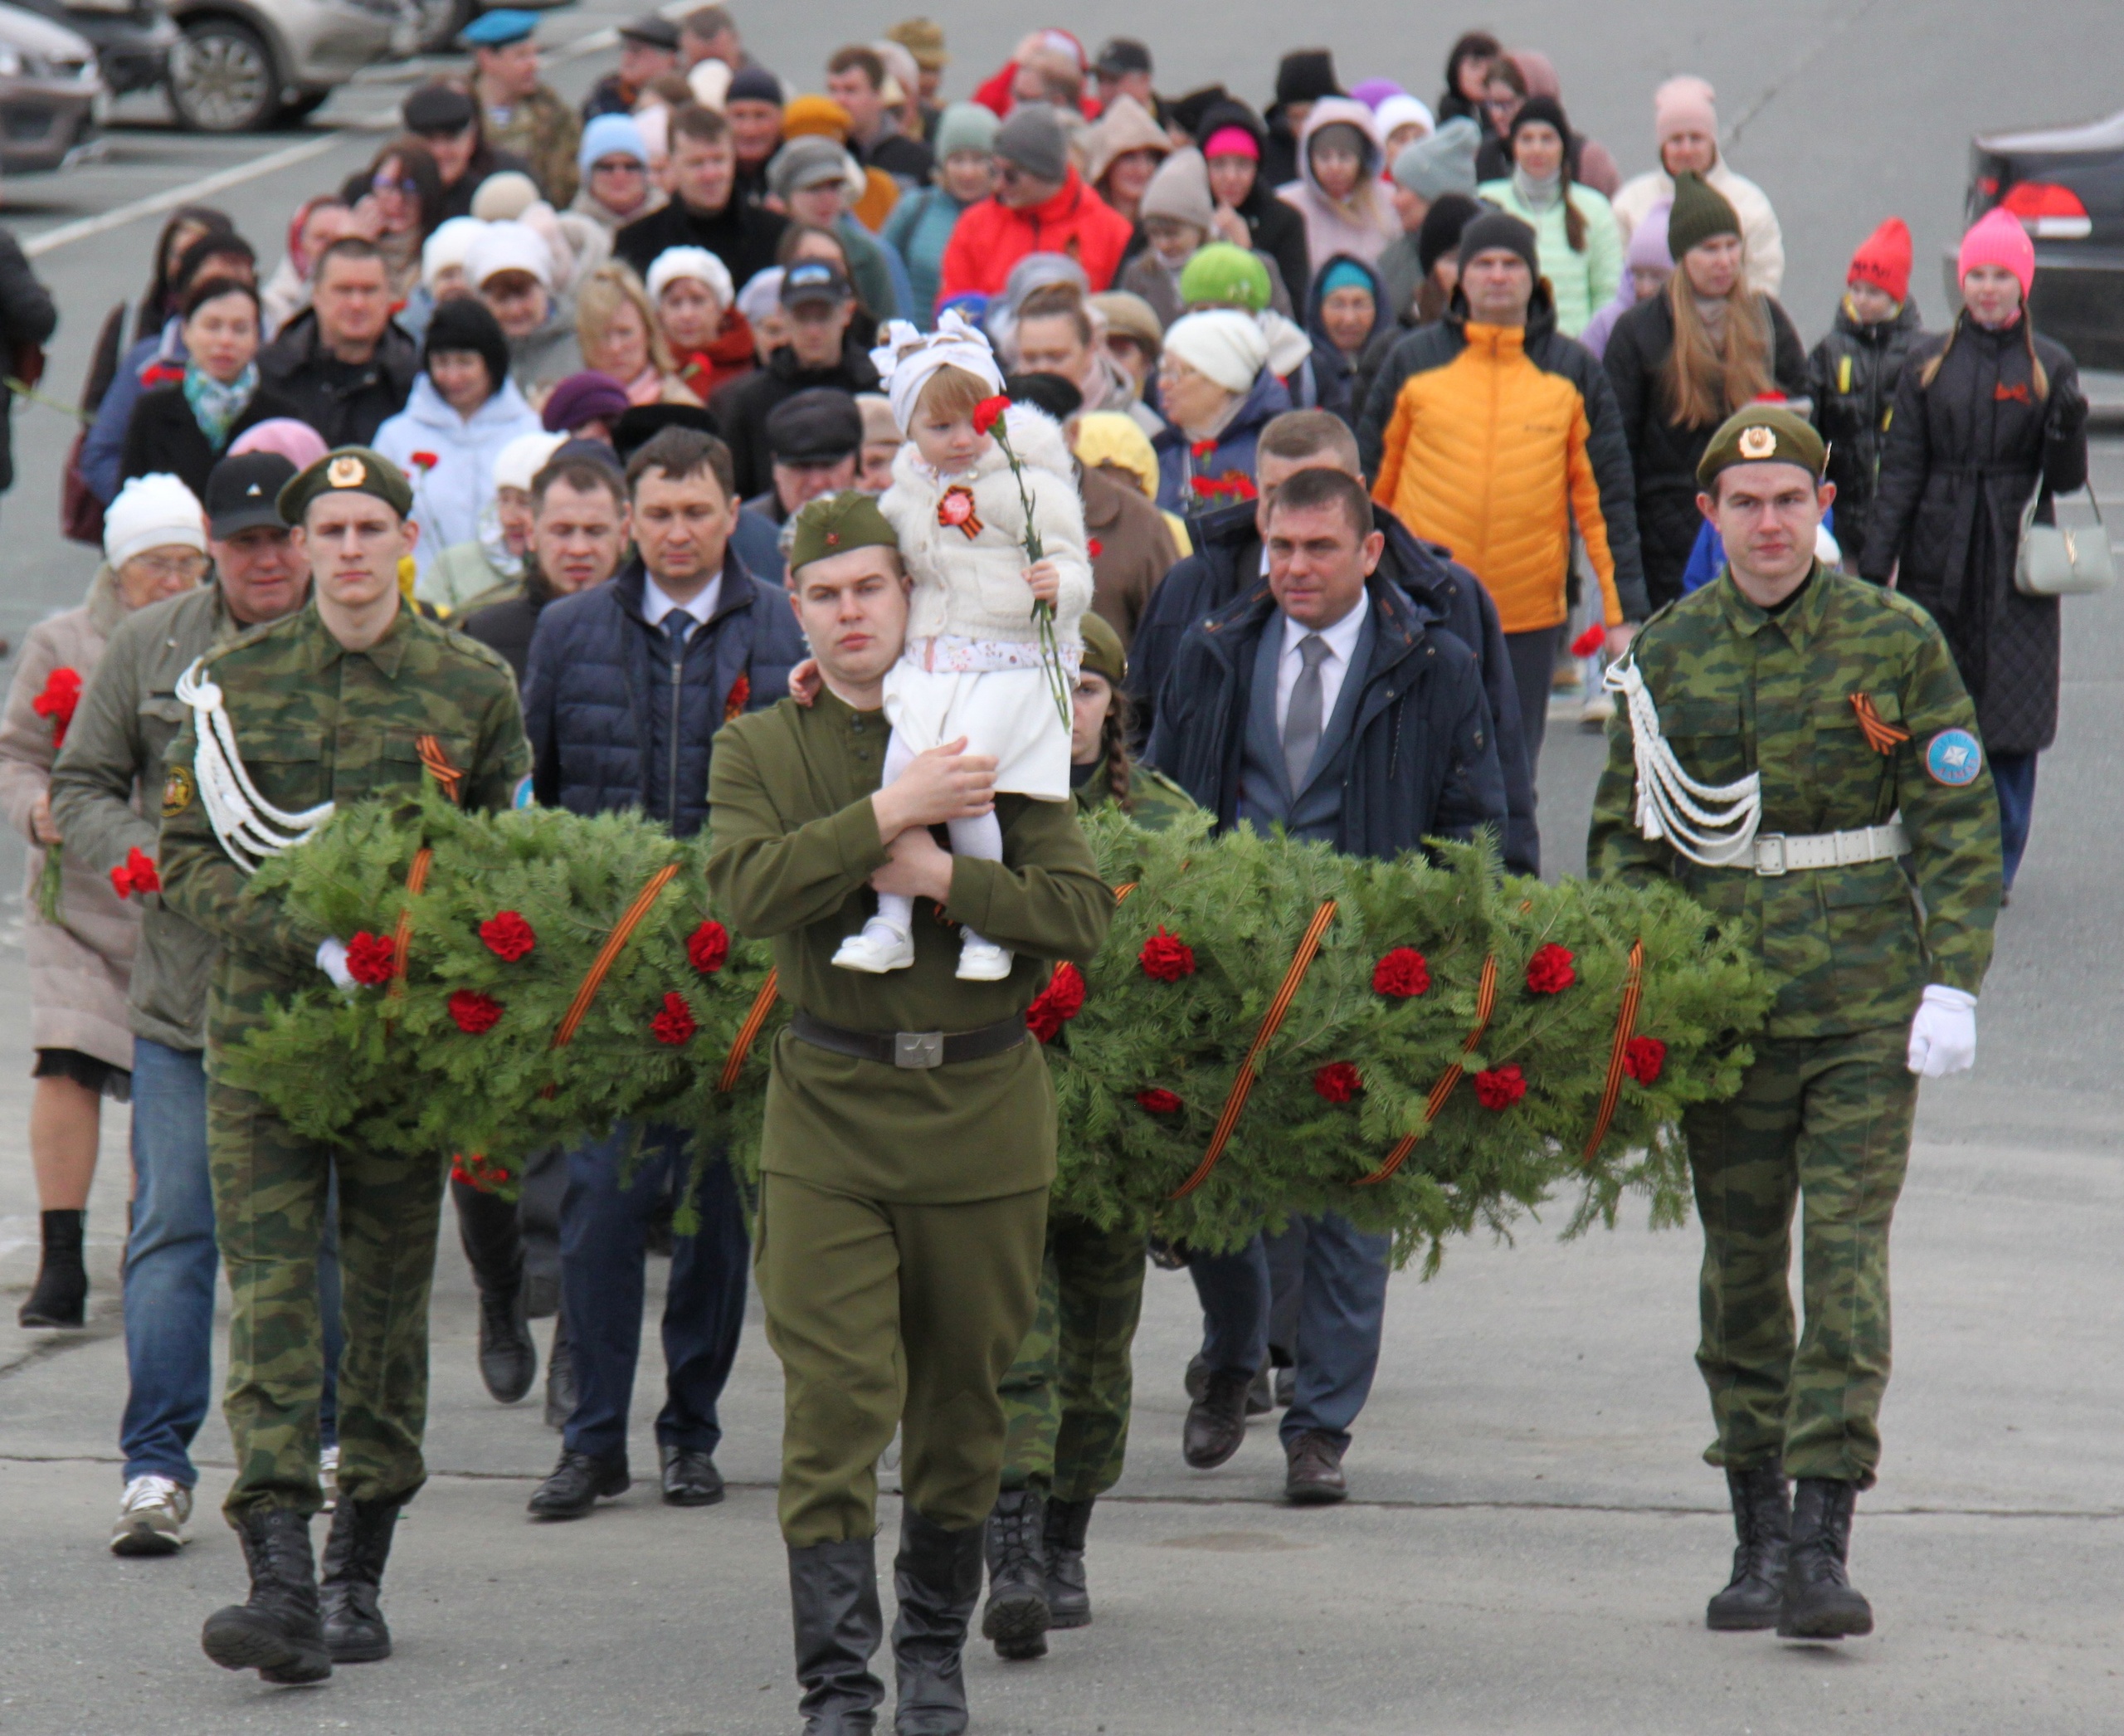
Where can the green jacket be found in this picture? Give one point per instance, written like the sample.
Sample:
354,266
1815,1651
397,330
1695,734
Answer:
127,719
545,133
1739,690
317,723
793,842
1155,800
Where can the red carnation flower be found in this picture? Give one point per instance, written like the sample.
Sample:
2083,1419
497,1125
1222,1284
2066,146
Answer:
1589,641
135,873
988,413
675,1024
1401,972
1241,488
1094,547
708,947
1644,1057
741,693
1498,1088
1206,486
508,936
1167,958
1549,972
426,460
1158,1102
369,959
61,696
1204,448
474,1012
1058,1003
1338,1081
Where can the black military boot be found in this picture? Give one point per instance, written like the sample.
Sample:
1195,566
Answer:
61,1295
1069,1597
833,1602
936,1577
488,1230
1017,1617
277,1631
1763,1521
355,1550
1820,1603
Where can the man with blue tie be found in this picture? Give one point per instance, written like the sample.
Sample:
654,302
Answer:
1328,706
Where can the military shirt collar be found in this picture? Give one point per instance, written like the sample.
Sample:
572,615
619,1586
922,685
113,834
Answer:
387,654
1799,622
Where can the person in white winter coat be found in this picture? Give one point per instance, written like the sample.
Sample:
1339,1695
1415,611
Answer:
974,666
1685,116
464,410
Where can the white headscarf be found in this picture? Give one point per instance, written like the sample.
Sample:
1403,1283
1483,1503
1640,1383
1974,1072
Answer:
908,357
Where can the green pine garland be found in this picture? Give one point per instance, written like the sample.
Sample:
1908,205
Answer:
395,1067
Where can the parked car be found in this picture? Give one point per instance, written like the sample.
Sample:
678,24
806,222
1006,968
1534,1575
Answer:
132,38
49,89
2066,184
248,64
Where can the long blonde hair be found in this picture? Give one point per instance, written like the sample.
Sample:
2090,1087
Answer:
612,285
1707,381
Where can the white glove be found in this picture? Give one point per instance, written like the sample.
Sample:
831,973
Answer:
1943,1036
332,960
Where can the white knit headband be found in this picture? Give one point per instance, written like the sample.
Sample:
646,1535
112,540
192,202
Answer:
906,358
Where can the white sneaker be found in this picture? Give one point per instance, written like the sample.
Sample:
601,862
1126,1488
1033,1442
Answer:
328,1475
151,1517
982,961
877,948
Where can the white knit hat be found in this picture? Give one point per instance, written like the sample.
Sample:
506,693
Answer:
154,511
696,263
521,460
509,248
761,298
504,194
450,246
1222,344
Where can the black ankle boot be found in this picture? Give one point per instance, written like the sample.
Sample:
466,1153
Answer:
560,1378
1017,1617
1820,1603
1069,1597
1763,1521
937,1576
833,1603
278,1632
61,1295
355,1551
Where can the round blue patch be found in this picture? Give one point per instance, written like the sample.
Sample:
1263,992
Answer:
521,796
1954,758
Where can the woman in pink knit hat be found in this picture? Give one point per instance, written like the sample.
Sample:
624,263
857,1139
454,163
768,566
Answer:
1685,120
1985,417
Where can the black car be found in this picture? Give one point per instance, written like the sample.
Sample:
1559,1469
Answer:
2066,184
132,38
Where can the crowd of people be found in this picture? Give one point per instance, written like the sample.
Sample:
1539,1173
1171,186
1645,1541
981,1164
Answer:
567,443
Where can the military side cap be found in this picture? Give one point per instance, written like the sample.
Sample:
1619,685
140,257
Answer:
836,523
1762,434
349,470
1103,652
498,29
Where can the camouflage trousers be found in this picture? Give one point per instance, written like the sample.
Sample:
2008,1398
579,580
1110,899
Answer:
1067,1396
270,1193
1825,1122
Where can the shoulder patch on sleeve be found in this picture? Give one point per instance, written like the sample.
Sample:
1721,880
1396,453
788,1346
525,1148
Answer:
1954,758
177,792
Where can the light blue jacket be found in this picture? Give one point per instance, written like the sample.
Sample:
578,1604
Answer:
448,493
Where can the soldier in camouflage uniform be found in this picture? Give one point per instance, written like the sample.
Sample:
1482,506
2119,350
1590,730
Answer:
1066,1397
519,112
1854,835
353,697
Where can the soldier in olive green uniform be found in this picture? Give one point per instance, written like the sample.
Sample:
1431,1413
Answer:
1796,749
909,1141
353,697
1067,1396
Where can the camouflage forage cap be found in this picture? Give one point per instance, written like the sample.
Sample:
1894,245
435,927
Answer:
1762,434
349,470
836,523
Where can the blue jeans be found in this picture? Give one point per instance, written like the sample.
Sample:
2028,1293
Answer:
601,1266
1341,1312
170,1264
2013,775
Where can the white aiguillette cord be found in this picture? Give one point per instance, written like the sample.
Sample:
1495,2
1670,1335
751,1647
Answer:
1711,823
249,827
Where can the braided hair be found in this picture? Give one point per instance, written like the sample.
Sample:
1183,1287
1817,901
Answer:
1113,744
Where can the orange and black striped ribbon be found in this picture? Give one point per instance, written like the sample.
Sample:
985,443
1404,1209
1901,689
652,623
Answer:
1625,1028
439,766
1882,736
402,936
1485,1005
740,1046
1309,949
593,979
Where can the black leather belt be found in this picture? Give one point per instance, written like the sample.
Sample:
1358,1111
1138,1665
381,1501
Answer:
910,1048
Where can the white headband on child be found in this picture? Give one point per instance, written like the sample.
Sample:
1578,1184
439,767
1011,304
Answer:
907,358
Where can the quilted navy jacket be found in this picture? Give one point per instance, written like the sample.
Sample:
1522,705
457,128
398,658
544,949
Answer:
616,722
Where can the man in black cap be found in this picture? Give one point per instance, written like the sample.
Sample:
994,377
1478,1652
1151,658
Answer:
752,105
1303,77
115,746
445,120
815,439
705,210
1123,68
819,302
649,48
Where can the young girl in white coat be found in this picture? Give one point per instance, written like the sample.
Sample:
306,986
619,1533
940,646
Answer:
972,667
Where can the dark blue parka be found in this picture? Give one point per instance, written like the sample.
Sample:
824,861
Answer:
1420,761
615,723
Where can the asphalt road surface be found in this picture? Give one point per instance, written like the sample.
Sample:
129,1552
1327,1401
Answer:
1532,1532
